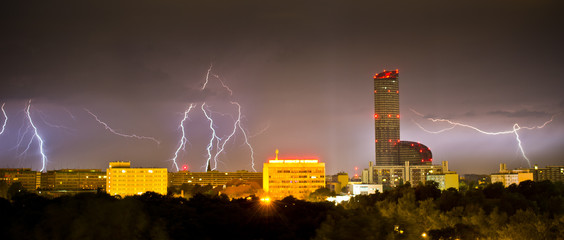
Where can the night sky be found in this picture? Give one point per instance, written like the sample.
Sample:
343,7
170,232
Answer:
301,71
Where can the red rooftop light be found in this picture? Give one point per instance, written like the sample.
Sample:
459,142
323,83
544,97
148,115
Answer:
387,74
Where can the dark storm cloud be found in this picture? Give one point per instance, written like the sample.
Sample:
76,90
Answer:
103,75
64,51
523,113
303,66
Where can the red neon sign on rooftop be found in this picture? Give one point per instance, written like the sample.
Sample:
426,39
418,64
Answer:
293,161
296,160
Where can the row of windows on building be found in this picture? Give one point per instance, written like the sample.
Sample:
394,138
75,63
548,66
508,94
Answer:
300,171
294,176
129,170
139,184
137,176
278,186
297,181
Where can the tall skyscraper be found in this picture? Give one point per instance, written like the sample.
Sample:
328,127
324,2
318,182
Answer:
397,161
387,118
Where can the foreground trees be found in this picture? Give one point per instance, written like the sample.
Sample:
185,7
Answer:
529,211
532,210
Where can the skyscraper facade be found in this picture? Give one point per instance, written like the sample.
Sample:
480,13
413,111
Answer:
387,118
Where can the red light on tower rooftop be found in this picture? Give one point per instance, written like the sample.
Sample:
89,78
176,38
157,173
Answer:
184,167
386,74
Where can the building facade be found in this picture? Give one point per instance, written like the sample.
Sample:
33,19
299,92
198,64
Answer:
551,173
337,182
445,180
364,189
386,118
396,175
390,150
298,178
73,180
29,179
508,177
124,181
415,153
213,178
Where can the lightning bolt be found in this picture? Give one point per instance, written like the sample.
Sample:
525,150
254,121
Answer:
237,125
5,119
207,77
246,138
261,131
213,137
223,84
37,136
183,139
433,132
121,134
515,130
44,120
21,135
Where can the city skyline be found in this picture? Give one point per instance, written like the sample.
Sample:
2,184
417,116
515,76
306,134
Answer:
302,78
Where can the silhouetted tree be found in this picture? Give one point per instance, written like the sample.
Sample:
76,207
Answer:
15,189
321,194
428,190
3,189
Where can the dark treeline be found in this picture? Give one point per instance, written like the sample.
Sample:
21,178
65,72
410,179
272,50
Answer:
532,210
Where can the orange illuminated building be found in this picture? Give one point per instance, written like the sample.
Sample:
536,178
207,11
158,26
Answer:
295,177
126,181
